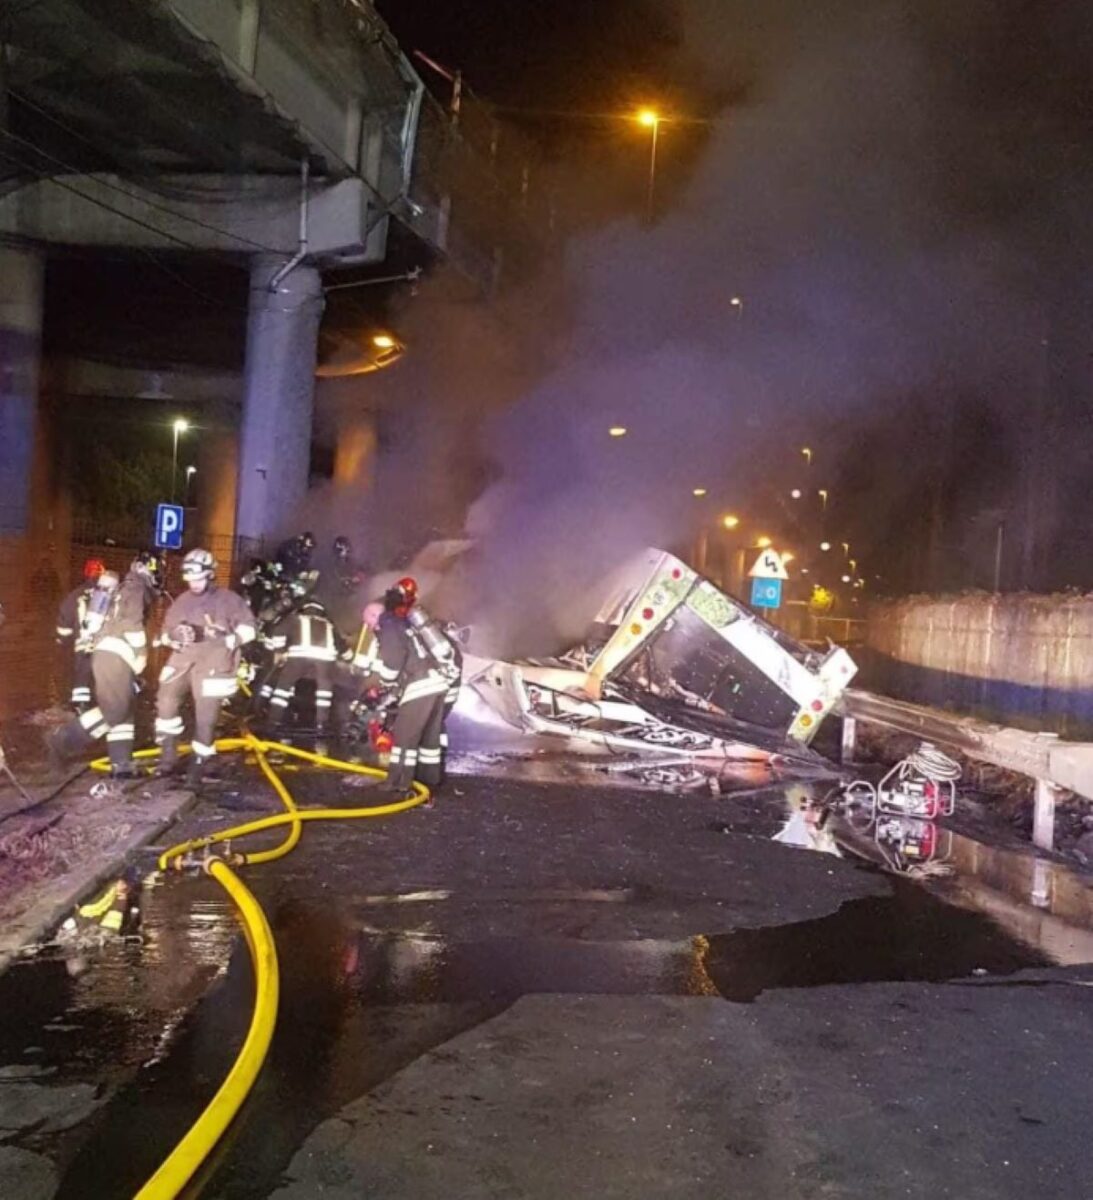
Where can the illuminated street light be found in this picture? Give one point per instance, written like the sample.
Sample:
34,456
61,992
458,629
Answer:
763,542
651,119
383,341
190,473
846,549
822,493
788,557
738,304
804,570
825,546
180,426
730,521
807,452
699,492
617,431
796,494
846,579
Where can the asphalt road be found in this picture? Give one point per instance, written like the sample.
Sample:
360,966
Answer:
560,989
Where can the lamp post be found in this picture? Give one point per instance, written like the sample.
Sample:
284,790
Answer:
180,426
190,473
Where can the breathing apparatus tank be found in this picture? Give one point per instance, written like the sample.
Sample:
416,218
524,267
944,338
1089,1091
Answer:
433,637
99,601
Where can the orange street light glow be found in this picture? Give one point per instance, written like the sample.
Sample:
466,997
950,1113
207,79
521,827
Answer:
648,117
730,521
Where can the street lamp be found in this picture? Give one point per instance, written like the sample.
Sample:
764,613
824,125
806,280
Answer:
822,493
698,492
825,546
763,542
190,473
795,494
180,426
617,431
730,521
738,304
383,341
650,118
807,452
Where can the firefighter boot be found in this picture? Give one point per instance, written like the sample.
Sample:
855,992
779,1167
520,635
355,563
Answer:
195,771
202,770
168,757
121,760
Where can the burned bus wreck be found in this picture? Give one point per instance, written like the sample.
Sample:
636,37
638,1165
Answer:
674,666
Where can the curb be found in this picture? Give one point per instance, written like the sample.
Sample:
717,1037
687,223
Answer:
62,894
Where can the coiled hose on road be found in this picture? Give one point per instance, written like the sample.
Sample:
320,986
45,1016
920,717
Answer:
184,1160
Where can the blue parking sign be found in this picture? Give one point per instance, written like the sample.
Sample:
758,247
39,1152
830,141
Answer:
766,593
169,523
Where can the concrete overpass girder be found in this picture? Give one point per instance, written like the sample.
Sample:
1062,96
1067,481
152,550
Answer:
262,215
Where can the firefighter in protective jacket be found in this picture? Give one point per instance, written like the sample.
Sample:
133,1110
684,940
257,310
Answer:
204,627
311,647
119,653
404,661
71,626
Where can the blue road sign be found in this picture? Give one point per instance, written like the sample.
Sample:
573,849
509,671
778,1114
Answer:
169,522
766,593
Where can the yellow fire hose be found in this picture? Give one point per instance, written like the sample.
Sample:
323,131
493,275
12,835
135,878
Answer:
181,1164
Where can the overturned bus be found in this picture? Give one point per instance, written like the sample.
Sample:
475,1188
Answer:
672,665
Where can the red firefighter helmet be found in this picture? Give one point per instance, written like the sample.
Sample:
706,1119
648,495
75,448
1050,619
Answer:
409,587
93,568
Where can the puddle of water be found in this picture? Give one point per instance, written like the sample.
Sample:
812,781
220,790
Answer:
1040,901
908,936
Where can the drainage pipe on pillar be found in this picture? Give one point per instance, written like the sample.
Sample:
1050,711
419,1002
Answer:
301,250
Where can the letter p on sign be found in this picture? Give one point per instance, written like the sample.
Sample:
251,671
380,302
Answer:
169,525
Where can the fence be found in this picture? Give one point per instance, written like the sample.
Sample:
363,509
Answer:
816,629
36,573
1019,659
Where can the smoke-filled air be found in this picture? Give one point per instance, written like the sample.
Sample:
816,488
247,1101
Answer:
848,248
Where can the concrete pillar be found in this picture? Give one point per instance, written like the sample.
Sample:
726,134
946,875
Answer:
354,453
278,397
849,740
218,453
1043,815
20,359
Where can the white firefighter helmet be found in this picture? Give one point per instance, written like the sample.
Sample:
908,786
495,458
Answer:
198,564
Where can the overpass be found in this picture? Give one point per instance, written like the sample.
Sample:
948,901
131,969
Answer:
291,138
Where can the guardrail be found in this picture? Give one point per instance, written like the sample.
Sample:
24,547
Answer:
1053,764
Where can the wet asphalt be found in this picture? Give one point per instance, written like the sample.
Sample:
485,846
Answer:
560,982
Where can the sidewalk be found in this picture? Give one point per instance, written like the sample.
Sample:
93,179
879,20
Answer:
55,854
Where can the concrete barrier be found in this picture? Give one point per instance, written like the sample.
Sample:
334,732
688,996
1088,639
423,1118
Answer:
1021,659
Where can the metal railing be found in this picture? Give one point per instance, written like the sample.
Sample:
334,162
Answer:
1053,764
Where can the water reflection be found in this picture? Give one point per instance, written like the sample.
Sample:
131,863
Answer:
808,822
1038,900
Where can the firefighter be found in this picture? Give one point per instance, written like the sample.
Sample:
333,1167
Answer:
444,648
404,660
311,647
204,627
343,556
70,626
119,653
294,555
